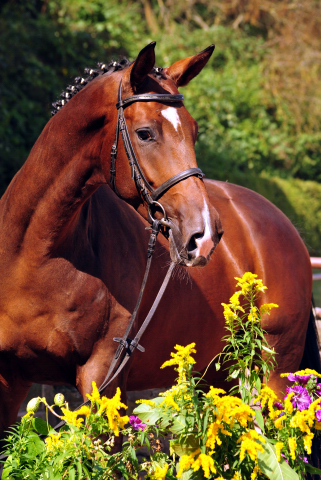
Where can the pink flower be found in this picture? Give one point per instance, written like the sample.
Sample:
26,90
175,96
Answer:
136,423
301,399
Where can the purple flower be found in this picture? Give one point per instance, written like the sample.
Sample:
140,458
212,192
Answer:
302,379
278,405
136,423
318,415
304,459
284,457
301,399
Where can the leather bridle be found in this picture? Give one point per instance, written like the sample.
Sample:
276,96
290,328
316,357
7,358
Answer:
149,194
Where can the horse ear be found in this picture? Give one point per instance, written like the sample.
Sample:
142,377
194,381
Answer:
143,65
183,71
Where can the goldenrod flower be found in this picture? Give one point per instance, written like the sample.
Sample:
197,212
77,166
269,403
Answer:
292,447
182,357
252,316
248,282
256,471
287,402
95,396
53,442
237,476
111,406
206,462
249,444
147,402
186,462
278,448
71,417
267,307
160,473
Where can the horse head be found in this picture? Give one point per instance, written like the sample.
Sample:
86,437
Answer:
153,166
163,135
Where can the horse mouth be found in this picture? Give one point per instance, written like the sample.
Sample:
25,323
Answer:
186,256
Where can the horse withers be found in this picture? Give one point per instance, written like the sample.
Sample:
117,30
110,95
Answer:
73,254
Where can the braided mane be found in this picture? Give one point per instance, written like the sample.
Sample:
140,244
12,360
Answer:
80,82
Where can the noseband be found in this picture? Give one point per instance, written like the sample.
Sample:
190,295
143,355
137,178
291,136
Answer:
149,194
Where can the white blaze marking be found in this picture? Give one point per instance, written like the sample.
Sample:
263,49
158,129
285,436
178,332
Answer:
170,113
205,243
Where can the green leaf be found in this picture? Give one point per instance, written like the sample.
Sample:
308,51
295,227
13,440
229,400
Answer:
189,446
270,466
266,349
40,426
259,419
235,374
258,384
178,425
313,470
147,413
79,469
72,473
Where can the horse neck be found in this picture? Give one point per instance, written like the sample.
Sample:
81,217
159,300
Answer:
42,201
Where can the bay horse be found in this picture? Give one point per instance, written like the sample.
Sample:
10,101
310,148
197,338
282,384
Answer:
73,253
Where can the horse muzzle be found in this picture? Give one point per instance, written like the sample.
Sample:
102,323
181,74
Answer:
197,250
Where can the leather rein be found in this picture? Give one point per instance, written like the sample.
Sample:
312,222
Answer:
151,197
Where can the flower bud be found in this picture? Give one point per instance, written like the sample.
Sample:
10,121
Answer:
33,405
59,399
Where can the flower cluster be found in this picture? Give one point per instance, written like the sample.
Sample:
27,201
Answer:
294,418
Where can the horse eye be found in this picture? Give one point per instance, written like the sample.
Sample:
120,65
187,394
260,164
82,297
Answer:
144,135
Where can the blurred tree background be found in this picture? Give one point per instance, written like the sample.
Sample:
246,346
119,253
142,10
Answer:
257,102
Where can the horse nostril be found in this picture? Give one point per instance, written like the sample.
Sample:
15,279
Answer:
192,242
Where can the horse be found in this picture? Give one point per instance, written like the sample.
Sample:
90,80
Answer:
73,242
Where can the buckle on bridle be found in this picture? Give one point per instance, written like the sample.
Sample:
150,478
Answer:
128,344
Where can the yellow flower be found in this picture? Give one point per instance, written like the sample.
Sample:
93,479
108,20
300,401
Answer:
235,299
71,417
267,307
206,462
53,442
292,447
182,356
278,448
249,444
279,422
111,406
160,473
256,471
252,316
95,396
186,462
214,392
147,402
169,401
287,403
237,476
269,397
301,373
307,440
84,410
229,315
248,282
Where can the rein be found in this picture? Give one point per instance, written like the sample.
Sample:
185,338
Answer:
126,345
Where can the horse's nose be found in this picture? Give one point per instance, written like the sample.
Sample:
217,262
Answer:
200,245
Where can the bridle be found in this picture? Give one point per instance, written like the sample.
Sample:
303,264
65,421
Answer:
149,194
151,197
